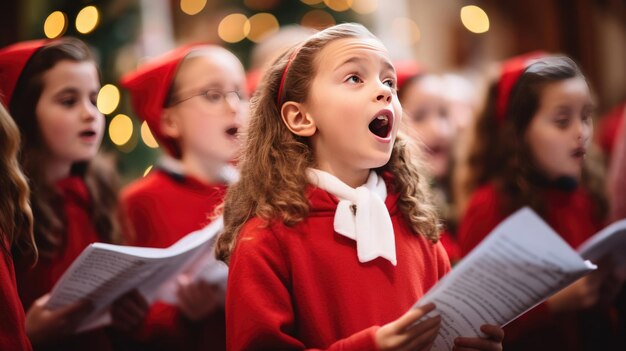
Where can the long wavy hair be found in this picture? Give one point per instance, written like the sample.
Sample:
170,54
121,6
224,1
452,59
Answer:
46,202
16,217
274,161
500,154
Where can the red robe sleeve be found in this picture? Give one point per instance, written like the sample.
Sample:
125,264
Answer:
259,311
12,321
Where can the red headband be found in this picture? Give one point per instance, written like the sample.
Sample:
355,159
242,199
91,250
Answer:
13,59
279,96
511,71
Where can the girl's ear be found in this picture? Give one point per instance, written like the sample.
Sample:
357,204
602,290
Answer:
297,120
169,124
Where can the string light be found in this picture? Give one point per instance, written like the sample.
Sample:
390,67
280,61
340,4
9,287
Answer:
475,19
233,28
261,25
120,129
55,24
87,19
147,137
108,99
192,7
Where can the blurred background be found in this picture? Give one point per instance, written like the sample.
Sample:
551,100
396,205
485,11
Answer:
463,37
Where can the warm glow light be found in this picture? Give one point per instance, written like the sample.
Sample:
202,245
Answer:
408,27
475,19
120,129
234,28
317,19
311,2
55,25
147,171
147,137
364,7
87,19
261,25
338,5
192,7
108,99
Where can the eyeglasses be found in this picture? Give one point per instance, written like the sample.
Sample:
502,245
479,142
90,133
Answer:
217,97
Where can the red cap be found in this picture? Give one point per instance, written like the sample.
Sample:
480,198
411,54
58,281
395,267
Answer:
148,87
511,71
406,70
13,59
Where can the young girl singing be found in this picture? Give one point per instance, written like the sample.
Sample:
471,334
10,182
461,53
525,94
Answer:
194,101
51,89
16,220
329,233
530,150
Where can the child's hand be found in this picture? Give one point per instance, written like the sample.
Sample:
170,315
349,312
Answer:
197,299
402,334
597,288
44,325
493,342
129,311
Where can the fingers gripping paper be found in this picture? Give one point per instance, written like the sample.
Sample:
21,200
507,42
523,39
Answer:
520,264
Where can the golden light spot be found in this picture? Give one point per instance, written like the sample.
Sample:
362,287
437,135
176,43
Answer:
55,25
311,2
120,129
108,99
87,19
406,26
147,137
317,19
475,19
338,5
261,25
233,28
192,7
364,7
145,173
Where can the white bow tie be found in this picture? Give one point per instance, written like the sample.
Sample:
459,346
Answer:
361,214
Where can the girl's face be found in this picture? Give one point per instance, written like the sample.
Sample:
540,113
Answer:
354,106
429,122
210,117
560,132
69,121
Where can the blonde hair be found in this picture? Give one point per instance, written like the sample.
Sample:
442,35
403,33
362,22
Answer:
274,161
16,217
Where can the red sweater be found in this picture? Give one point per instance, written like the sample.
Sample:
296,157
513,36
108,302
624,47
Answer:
12,323
160,209
38,281
571,215
300,287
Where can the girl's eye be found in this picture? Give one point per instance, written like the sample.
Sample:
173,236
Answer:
68,102
354,79
390,83
562,123
213,96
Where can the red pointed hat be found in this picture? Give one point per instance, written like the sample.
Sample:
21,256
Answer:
405,70
511,71
13,59
148,87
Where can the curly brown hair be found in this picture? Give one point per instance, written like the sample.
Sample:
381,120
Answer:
274,161
499,152
49,225
16,217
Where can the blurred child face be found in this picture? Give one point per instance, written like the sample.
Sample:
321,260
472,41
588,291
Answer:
69,121
208,126
560,132
355,108
429,122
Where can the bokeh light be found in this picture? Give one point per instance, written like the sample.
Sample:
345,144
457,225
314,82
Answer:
147,137
87,19
145,173
233,28
261,25
108,99
120,129
192,7
408,27
338,5
475,19
312,2
364,7
55,25
317,19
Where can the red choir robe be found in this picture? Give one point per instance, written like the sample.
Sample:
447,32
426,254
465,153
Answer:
303,287
158,210
12,323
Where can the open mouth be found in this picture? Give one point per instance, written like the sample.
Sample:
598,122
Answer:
87,133
579,153
381,124
232,131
